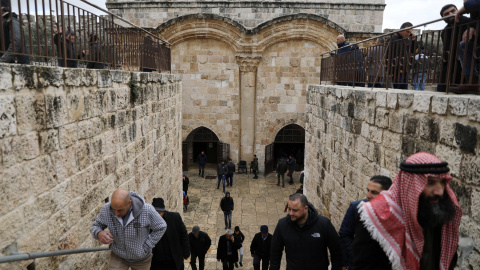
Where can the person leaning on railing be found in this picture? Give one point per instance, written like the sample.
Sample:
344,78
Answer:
16,45
94,55
69,40
466,46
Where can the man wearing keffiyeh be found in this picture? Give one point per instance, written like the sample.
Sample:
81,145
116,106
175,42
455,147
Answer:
414,225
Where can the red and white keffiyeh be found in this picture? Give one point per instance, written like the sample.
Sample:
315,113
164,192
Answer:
391,218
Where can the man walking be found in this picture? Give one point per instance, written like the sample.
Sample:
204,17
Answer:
174,247
134,227
281,170
222,171
347,231
202,161
226,204
254,166
227,250
231,171
306,236
260,248
199,244
415,222
291,168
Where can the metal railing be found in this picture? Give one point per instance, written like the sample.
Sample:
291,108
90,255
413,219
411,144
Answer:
35,255
442,58
55,32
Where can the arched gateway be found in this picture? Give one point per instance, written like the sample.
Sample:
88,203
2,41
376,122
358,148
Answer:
290,140
203,139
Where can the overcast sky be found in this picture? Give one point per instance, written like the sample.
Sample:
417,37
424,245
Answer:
396,11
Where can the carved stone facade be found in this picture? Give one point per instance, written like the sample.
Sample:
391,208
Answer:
246,64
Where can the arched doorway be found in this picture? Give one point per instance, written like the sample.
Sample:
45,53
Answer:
290,140
203,139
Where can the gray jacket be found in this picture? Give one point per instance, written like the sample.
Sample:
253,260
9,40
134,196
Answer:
15,45
135,241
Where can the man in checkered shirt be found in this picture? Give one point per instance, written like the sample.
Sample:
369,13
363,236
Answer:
134,227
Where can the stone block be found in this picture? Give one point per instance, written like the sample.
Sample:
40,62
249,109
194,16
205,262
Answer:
11,228
59,224
475,200
392,140
49,141
82,154
458,105
381,118
440,105
470,170
38,211
77,105
396,122
429,129
47,76
474,109
68,135
13,181
30,113
104,78
26,147
408,146
452,156
73,76
466,137
392,100
89,128
447,132
42,174
421,103
56,110
370,115
405,100
90,77
5,77
376,134
381,99
65,163
24,76
97,102
8,121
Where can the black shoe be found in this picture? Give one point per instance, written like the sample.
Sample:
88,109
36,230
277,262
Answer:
217,187
278,184
241,264
236,265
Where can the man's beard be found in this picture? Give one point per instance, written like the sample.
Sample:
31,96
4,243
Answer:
435,214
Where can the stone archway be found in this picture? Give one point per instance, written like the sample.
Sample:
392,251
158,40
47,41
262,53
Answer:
290,140
201,139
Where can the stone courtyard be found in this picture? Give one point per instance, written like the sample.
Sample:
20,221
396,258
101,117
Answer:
257,202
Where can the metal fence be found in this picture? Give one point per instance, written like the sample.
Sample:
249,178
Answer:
55,32
446,59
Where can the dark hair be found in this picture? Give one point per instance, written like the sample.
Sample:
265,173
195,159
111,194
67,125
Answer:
447,6
299,196
384,181
406,24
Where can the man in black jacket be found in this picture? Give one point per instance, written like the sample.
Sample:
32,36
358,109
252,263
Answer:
202,161
12,29
306,236
260,248
281,170
222,171
226,204
173,248
227,250
199,244
231,171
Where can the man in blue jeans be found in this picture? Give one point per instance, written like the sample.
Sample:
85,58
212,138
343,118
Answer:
202,160
222,171
226,204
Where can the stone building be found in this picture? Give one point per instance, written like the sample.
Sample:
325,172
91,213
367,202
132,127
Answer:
246,66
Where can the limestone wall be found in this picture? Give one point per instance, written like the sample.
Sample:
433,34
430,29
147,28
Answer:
68,139
353,134
351,15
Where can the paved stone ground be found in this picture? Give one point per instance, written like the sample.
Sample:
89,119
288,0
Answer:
257,202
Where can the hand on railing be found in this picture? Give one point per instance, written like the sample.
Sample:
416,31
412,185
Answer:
470,33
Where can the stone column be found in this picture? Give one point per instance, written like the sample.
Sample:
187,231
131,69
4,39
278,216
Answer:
248,81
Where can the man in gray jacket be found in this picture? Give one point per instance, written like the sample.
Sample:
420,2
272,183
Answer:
134,227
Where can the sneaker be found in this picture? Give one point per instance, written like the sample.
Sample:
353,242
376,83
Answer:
236,265
241,264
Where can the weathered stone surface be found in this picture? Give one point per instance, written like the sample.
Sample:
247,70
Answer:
30,113
26,147
421,103
458,105
5,77
466,138
474,109
8,121
440,105
49,141
68,135
56,110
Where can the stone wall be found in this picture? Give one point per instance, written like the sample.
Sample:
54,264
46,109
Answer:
68,139
352,15
353,134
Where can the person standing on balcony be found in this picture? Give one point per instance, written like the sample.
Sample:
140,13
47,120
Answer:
352,55
15,45
69,41
134,227
94,55
446,36
202,161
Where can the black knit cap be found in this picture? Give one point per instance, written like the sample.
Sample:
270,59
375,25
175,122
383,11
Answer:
446,7
434,168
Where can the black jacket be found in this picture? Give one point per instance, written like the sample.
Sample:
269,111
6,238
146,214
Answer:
59,39
230,167
282,166
306,247
202,159
199,245
261,247
15,45
226,204
185,183
222,249
239,238
177,238
222,169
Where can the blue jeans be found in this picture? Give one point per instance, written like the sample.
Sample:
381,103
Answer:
221,178
419,81
228,219
468,59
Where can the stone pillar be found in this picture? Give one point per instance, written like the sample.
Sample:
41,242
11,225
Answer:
248,82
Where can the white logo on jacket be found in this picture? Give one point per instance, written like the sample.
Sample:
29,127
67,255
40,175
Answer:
316,235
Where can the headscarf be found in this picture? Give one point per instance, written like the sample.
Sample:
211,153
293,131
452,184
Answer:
391,218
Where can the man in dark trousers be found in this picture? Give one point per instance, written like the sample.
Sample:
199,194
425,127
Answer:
222,171
281,170
185,183
254,166
291,167
199,244
307,237
173,248
260,248
227,250
231,171
202,161
226,204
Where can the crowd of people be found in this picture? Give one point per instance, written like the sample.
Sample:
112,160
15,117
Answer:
402,59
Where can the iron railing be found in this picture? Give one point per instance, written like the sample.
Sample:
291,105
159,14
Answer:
434,58
35,255
55,32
